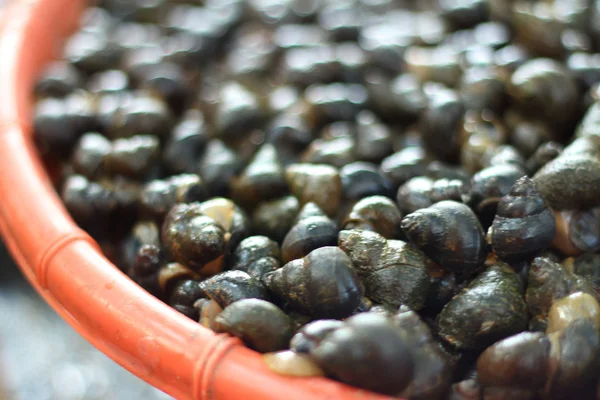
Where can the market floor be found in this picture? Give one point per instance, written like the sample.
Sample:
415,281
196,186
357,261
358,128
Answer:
43,358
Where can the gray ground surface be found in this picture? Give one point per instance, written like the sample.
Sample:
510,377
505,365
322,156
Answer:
43,358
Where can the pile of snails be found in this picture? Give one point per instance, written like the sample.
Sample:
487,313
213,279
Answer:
400,195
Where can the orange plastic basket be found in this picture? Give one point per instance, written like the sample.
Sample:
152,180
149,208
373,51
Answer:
66,267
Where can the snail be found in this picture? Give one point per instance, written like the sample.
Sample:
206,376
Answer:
144,269
404,165
577,231
432,371
441,123
172,274
230,286
256,255
373,138
544,88
361,179
218,165
393,272
555,365
549,281
336,152
367,352
572,180
89,153
132,157
377,214
568,309
261,325
309,336
313,229
263,179
422,192
184,295
449,233
323,284
586,266
488,186
191,237
524,224
318,183
159,196
490,308
234,221
545,153
186,143
238,111
275,218
207,311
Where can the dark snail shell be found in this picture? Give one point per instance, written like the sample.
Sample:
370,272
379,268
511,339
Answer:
524,224
183,296
393,271
312,230
488,186
192,238
367,352
577,231
519,361
576,356
311,335
432,370
549,281
262,180
441,125
260,324
449,233
256,255
230,286
275,218
316,183
572,180
235,223
377,214
489,309
323,284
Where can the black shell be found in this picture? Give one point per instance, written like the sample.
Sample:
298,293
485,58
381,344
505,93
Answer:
549,281
311,335
432,370
490,308
275,218
393,271
312,230
262,180
260,324
316,183
449,233
377,214
192,238
367,352
230,286
524,224
256,255
324,284
576,353
519,361
572,180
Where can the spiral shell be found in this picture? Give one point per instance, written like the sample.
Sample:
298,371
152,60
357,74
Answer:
449,233
313,229
324,284
256,255
524,224
393,271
